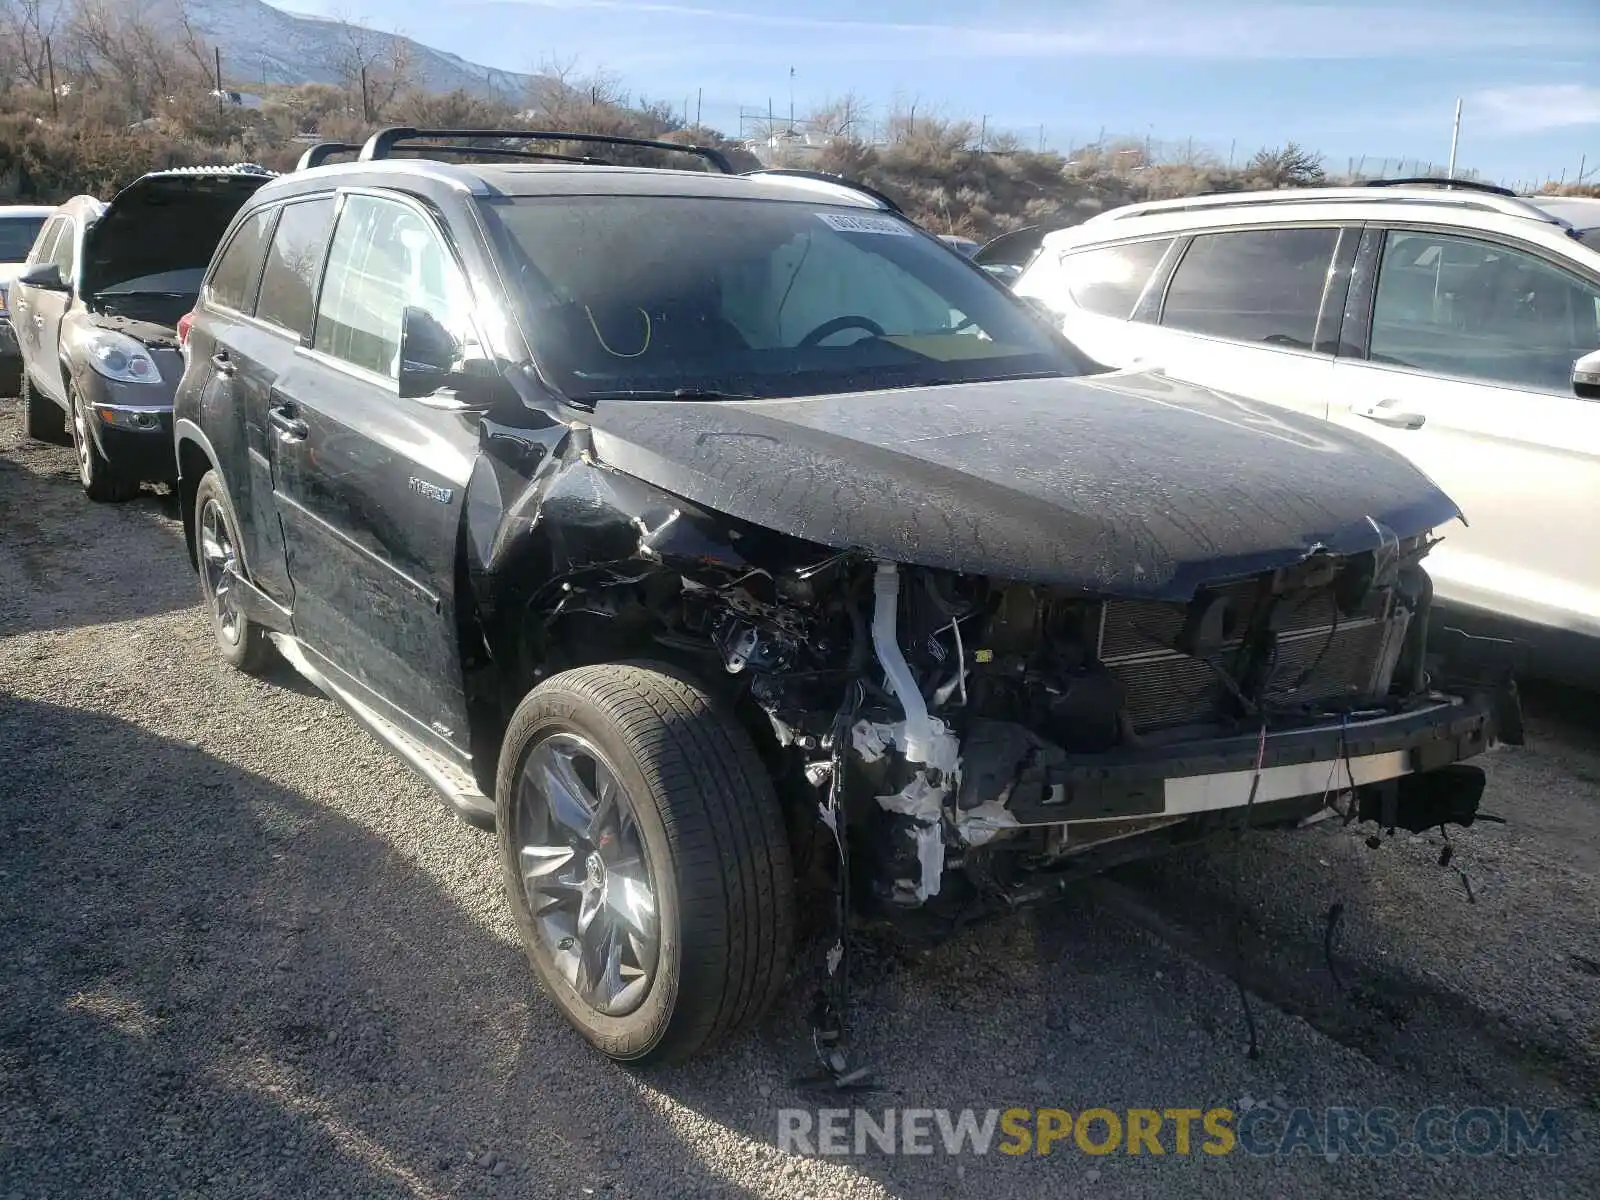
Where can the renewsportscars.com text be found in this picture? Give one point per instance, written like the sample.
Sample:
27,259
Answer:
1261,1131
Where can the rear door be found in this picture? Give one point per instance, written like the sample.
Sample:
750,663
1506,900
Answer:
1254,312
370,485
231,355
1461,356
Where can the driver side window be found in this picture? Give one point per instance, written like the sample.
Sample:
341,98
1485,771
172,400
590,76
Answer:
819,276
385,257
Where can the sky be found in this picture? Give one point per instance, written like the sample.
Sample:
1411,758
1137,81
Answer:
1351,79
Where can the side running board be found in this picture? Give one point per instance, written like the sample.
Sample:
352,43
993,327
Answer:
454,784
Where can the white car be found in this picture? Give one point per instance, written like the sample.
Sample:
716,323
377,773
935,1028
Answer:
1459,325
19,228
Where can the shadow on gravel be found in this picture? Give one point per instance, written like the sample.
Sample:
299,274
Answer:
216,987
64,561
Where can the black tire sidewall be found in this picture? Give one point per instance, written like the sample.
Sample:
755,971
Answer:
553,709
103,483
245,653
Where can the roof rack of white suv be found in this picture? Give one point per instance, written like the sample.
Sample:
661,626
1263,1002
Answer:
1411,192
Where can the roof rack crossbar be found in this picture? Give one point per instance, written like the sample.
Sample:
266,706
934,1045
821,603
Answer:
383,143
1468,185
829,177
322,152
502,152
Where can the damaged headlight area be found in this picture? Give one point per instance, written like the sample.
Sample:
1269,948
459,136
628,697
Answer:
965,738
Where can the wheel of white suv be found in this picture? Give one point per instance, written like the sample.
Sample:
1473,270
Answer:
241,642
42,418
645,855
100,479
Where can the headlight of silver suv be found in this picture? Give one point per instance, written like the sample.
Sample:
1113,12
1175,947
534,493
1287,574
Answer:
117,356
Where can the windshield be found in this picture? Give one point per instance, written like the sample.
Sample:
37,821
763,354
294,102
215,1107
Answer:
765,298
17,235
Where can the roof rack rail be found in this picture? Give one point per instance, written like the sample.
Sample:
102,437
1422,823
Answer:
382,145
1466,185
1476,198
829,177
316,155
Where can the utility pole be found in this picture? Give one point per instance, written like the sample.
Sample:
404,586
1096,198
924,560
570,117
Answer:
791,100
1455,136
50,64
699,99
366,104
1041,139
216,52
983,133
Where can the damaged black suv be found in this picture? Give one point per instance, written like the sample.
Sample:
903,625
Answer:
717,537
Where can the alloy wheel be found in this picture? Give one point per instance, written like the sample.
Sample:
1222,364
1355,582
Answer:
220,564
586,875
81,439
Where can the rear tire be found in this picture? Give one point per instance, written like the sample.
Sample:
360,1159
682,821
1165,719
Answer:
241,643
42,418
101,480
716,868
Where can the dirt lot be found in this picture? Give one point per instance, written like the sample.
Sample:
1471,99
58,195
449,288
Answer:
244,952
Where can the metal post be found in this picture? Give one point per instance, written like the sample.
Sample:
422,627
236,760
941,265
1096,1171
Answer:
50,63
1455,136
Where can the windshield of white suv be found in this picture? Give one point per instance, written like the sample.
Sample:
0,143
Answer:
654,294
17,235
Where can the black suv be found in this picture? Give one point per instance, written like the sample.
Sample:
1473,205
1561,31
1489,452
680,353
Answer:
717,537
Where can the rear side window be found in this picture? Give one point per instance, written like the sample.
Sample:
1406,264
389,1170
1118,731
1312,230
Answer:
1263,285
1110,280
233,283
289,281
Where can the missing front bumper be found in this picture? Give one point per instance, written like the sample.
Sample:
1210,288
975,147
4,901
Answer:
1205,776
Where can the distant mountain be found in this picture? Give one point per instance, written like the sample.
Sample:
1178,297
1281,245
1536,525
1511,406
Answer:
262,44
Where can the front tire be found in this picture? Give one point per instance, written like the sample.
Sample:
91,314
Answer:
42,418
101,481
645,855
242,643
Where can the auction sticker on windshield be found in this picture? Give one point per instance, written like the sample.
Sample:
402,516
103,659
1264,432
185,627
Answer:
851,223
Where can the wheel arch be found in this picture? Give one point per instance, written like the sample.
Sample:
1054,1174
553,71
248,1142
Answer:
196,456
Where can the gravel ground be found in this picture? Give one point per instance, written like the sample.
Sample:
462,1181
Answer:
246,953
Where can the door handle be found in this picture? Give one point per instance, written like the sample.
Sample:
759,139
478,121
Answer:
222,363
1395,418
290,427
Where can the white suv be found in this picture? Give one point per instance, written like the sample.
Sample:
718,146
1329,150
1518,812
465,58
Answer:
1458,325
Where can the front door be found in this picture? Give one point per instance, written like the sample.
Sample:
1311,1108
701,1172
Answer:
1469,374
45,310
370,486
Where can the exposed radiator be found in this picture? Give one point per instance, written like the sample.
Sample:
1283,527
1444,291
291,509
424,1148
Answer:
1320,659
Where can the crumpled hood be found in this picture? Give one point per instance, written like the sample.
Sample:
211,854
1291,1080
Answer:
165,221
1120,484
